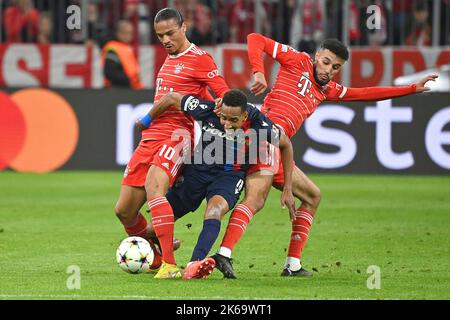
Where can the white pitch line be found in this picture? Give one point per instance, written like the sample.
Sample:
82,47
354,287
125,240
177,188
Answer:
43,296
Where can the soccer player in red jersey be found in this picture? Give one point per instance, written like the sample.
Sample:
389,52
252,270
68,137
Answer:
158,159
301,85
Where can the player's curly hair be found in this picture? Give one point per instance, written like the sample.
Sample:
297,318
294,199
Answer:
167,14
335,46
235,98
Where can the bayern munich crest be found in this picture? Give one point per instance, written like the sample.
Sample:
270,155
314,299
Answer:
178,68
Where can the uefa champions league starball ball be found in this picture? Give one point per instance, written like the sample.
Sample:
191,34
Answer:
134,255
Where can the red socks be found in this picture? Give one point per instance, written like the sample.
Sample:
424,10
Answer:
138,228
240,217
163,224
300,231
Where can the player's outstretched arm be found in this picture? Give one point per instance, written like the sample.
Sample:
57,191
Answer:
171,99
287,159
382,93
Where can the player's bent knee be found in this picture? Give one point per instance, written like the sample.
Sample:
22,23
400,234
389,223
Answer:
118,211
255,204
155,190
317,196
216,211
122,214
157,183
310,196
215,215
314,196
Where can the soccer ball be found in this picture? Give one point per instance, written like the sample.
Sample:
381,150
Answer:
134,255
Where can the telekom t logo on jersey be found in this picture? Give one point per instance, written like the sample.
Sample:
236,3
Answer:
304,84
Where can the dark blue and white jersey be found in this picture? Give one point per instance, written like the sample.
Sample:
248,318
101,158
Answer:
229,152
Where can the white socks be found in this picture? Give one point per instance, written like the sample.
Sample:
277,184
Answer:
293,264
224,252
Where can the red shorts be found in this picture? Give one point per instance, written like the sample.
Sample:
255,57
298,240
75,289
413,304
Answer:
273,164
167,154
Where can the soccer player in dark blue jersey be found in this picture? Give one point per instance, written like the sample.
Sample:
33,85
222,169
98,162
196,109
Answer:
230,141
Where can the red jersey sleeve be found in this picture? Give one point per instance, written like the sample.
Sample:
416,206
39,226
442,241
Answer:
337,92
284,54
208,73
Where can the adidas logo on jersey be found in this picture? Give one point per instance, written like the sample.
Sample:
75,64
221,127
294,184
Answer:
165,165
197,50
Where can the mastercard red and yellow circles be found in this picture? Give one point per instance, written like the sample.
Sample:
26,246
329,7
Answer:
38,131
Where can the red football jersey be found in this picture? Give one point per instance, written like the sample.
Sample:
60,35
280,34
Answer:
295,94
190,72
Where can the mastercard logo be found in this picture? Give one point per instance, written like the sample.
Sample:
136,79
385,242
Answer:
38,131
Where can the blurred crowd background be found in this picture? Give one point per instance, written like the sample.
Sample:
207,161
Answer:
300,23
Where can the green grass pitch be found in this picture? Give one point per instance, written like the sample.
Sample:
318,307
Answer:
400,224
